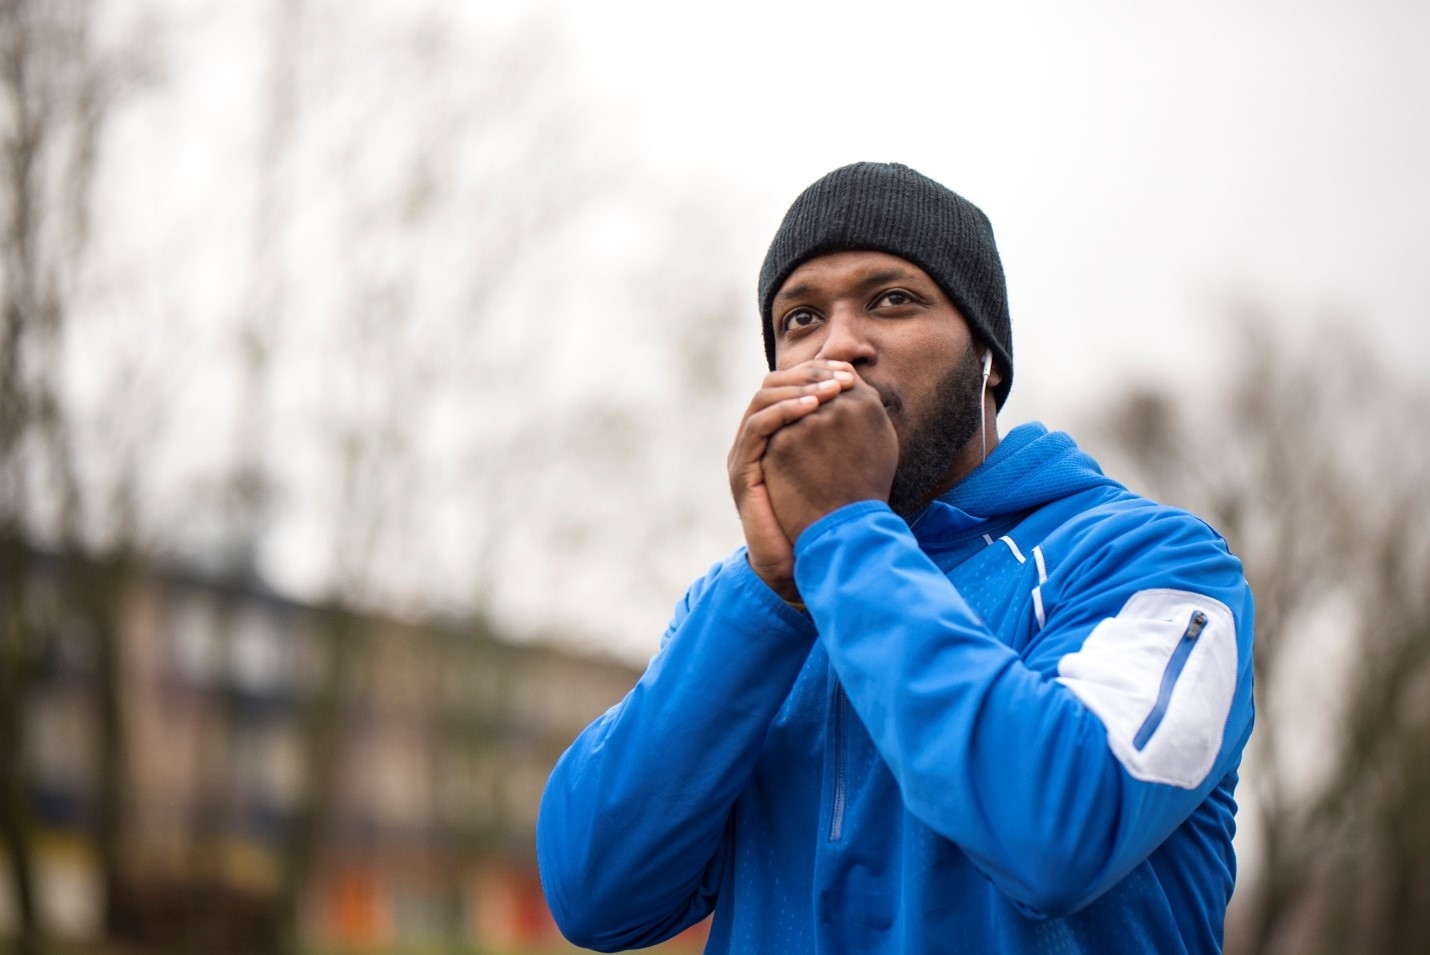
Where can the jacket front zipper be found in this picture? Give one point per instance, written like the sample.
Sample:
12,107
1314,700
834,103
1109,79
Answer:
836,816
1183,650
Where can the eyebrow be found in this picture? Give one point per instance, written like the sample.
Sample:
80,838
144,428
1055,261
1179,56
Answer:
881,277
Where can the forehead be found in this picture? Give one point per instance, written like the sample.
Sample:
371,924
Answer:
851,271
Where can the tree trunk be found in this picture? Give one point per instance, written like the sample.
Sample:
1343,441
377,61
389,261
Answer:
15,667
104,598
322,742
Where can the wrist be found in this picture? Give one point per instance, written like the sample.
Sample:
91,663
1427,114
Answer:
783,587
786,591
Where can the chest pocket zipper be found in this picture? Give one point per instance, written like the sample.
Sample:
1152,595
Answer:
1178,661
836,815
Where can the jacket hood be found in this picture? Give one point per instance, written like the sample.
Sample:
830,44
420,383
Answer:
1031,466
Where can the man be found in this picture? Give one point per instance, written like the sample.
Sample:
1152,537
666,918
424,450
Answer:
956,693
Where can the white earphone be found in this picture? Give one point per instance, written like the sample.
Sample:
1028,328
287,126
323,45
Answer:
982,407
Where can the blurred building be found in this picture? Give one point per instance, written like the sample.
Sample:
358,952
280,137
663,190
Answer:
389,770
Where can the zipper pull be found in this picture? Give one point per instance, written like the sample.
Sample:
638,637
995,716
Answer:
1178,660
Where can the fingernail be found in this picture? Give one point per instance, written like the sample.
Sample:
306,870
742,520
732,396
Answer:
844,376
808,400
828,384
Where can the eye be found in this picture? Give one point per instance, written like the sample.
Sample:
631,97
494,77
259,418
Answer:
797,319
894,298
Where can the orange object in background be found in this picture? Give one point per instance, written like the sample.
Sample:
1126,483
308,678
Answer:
355,910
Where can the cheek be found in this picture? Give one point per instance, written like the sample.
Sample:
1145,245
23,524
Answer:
926,378
919,399
787,356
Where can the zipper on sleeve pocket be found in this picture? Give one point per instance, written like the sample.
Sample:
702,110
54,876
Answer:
1195,626
836,814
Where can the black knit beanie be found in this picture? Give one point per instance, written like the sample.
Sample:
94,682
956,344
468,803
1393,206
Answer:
887,207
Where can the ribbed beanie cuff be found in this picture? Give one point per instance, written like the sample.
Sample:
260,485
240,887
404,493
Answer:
888,207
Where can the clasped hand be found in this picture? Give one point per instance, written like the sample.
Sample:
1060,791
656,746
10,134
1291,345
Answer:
814,438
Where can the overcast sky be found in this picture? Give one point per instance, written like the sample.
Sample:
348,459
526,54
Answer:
1143,164
1143,167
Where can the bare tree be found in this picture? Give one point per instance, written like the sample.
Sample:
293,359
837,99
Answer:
59,87
424,170
1314,465
410,179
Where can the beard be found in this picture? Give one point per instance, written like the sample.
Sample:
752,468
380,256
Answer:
929,445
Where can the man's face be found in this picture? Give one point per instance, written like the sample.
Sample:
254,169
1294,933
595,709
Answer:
888,319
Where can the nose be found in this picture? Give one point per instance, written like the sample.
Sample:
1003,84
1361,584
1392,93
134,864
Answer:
846,339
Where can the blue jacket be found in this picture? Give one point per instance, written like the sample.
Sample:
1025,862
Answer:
1013,726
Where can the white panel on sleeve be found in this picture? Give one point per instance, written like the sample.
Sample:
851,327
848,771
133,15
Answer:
1130,661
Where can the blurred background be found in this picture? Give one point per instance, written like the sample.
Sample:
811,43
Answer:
368,369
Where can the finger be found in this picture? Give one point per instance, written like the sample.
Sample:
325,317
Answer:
766,422
823,382
808,380
866,390
756,429
821,390
816,369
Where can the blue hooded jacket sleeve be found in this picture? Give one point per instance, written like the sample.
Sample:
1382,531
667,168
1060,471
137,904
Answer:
632,830
1028,747
1016,724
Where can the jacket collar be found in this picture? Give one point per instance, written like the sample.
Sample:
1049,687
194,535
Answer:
1031,466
